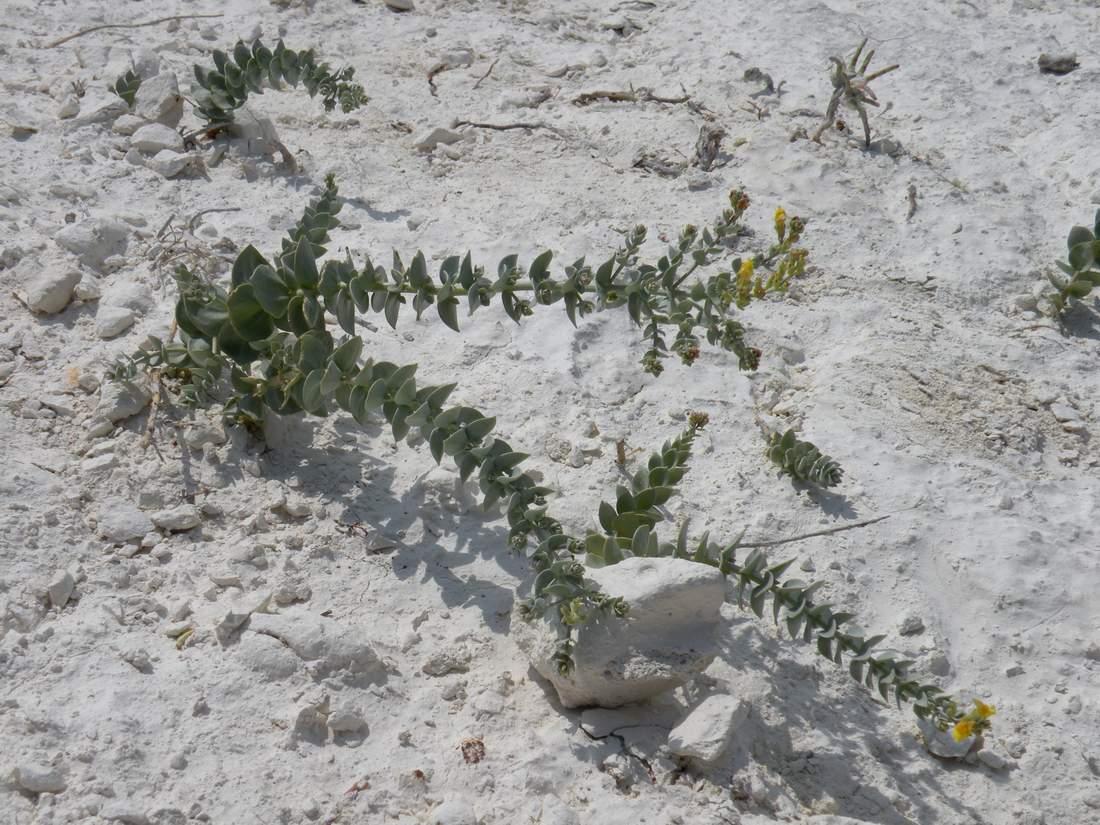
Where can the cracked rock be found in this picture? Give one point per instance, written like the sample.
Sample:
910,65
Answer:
121,521
122,399
158,99
666,640
93,240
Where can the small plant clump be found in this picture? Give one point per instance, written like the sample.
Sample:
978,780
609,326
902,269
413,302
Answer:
126,86
248,68
269,334
850,87
1079,272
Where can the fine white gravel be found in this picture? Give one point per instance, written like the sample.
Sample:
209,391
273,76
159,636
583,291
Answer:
203,624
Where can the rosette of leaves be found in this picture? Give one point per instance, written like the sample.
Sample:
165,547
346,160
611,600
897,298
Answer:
126,86
1079,272
249,68
803,461
284,333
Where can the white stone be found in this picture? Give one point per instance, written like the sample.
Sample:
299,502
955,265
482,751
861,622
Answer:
1063,412
127,124
201,433
454,811
428,140
400,5
155,137
120,521
99,106
942,743
168,163
177,519
130,294
706,732
667,639
51,288
158,99
330,645
93,240
118,810
70,107
39,778
60,589
122,399
111,321
346,719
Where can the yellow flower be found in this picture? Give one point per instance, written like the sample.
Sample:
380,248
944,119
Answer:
746,270
963,729
983,710
780,222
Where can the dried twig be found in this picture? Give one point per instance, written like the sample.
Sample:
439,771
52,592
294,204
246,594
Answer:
83,32
488,72
194,218
155,404
814,534
642,96
912,195
504,127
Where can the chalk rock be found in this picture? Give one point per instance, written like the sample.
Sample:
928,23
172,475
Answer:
99,106
433,137
131,295
399,5
70,107
155,137
51,288
177,519
158,99
168,163
93,240
1064,412
122,399
346,719
121,521
706,732
201,433
453,812
127,124
39,778
60,589
129,813
267,656
668,637
332,646
942,743
111,321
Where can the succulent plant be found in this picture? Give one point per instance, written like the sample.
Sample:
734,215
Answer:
803,461
126,86
249,68
1080,272
268,333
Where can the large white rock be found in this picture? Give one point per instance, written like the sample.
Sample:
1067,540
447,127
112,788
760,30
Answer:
156,137
706,732
99,106
93,240
130,294
121,521
121,399
39,778
111,321
158,99
667,639
51,288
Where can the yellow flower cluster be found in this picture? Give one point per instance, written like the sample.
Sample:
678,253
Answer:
780,222
974,722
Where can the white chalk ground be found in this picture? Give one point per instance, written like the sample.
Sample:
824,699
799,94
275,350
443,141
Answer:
904,353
